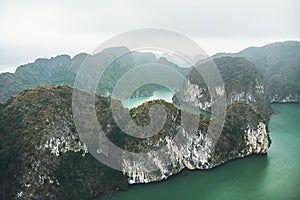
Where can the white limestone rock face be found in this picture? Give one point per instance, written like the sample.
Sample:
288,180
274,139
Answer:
57,139
193,155
199,96
257,139
286,99
195,95
196,155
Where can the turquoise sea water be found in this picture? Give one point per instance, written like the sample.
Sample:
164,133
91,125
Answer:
164,93
272,176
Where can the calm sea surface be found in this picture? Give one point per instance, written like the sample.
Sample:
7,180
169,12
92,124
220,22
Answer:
275,176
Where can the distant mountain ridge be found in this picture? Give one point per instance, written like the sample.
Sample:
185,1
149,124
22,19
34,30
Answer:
62,69
279,64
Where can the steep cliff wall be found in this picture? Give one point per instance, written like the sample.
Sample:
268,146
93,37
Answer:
242,82
245,133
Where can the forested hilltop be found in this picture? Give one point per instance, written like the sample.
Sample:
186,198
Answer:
242,81
42,156
279,64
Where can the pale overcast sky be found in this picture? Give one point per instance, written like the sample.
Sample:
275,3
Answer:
33,28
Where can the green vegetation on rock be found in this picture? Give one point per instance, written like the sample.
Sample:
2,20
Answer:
33,124
242,81
279,64
42,156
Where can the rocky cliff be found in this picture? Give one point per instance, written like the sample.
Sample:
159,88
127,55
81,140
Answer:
42,156
242,82
242,135
279,63
245,130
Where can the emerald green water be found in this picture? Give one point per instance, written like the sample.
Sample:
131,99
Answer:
275,176
163,93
